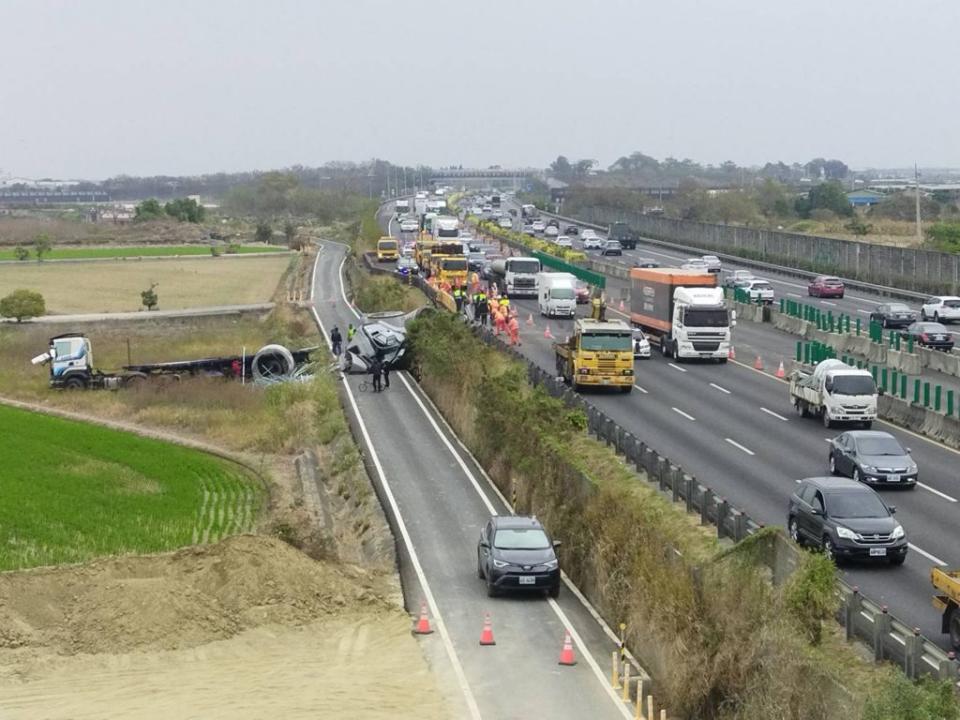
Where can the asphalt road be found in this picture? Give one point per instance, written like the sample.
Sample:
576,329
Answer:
735,430
442,498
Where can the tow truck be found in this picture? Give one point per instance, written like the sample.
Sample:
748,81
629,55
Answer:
598,354
947,601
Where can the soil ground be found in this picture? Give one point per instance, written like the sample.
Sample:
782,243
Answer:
115,285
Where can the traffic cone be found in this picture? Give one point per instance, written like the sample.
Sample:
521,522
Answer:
758,363
547,334
732,354
486,635
781,373
566,654
530,320
423,624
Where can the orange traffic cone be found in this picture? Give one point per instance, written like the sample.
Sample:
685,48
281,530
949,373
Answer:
566,654
530,320
758,363
547,334
732,354
423,624
486,635
781,373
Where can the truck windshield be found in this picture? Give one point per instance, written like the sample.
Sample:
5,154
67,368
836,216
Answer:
605,341
524,266
387,244
853,385
448,232
706,318
564,293
454,265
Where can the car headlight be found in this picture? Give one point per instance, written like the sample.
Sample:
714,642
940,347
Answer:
500,563
551,564
846,533
869,468
912,468
897,532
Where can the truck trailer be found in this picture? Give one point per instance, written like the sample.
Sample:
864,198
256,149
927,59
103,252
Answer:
682,311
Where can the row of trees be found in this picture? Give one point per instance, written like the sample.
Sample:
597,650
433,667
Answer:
282,194
182,209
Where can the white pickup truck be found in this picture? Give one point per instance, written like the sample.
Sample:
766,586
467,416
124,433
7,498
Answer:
835,392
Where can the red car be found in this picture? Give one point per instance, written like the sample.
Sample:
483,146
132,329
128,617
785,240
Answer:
583,293
825,286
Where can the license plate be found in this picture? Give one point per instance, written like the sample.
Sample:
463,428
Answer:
893,478
531,580
878,552
606,381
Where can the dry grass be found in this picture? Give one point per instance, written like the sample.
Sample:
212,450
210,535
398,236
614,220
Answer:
115,286
897,233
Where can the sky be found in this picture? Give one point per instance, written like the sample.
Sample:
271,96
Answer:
108,87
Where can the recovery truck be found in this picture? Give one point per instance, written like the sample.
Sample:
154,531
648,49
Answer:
835,392
598,354
71,365
683,311
516,276
947,601
448,263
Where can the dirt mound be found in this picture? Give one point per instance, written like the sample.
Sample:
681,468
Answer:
177,600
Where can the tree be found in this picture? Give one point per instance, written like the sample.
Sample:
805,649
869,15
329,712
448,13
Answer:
42,245
582,167
290,232
148,210
561,167
945,236
263,233
186,210
825,196
903,206
23,305
858,227
772,199
21,253
734,206
149,297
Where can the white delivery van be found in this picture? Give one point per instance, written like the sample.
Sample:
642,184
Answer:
557,294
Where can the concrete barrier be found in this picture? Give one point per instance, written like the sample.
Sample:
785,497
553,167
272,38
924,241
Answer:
921,420
945,362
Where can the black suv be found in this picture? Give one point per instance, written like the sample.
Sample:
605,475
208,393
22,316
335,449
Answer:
515,553
847,520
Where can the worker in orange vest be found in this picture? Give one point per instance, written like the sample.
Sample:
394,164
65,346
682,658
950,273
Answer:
514,329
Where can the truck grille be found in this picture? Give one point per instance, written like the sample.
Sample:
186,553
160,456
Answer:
607,366
523,282
705,346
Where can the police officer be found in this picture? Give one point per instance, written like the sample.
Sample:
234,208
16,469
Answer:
481,307
458,298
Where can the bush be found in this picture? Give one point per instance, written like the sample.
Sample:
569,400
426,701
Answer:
23,305
149,297
901,699
186,210
263,233
21,253
233,249
215,250
148,210
945,236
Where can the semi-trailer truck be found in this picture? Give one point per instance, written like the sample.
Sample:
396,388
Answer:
622,233
516,276
684,312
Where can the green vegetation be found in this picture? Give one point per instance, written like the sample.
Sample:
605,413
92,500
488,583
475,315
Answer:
945,236
901,699
96,253
22,305
282,194
149,297
182,209
148,210
74,491
263,233
41,246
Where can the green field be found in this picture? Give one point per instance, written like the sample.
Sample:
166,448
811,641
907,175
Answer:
95,253
71,491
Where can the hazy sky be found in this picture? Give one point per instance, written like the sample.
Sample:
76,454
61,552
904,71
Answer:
103,87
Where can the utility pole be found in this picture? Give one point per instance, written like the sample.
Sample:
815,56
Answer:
916,185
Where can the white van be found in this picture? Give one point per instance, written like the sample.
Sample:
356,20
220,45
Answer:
557,295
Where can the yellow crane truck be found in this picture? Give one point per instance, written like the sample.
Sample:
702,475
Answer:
947,601
598,354
448,263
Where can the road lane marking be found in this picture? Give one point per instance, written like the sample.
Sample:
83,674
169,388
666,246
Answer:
721,389
677,367
402,528
680,412
641,390
861,310
936,492
737,445
824,302
932,558
773,414
793,295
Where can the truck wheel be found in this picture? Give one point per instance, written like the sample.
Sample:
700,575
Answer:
74,383
827,422
867,424
801,407
627,389
954,624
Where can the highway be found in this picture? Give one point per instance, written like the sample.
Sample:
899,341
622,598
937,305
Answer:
735,430
438,498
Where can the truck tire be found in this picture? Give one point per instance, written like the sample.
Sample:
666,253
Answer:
627,389
867,424
74,382
825,416
953,624
801,407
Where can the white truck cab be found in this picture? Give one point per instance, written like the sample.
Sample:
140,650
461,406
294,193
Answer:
701,323
836,393
557,294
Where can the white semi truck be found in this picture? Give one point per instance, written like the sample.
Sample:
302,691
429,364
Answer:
835,392
516,276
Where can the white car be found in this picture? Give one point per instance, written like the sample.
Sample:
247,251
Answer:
537,225
641,346
505,222
587,234
409,225
408,249
592,243
696,264
942,308
563,241
476,210
487,208
551,231
759,291
713,263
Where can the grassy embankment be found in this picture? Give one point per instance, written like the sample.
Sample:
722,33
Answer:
106,253
720,640
116,286
74,491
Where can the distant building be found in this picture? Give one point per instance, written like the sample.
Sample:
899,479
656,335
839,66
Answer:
864,198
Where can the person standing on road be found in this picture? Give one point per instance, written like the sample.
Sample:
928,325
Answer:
376,370
458,299
482,308
336,341
513,328
351,331
386,375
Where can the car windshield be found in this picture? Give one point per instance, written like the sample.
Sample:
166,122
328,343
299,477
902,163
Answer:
562,293
853,385
856,505
521,539
605,341
879,446
832,281
931,328
705,318
898,309
525,266
388,244
761,286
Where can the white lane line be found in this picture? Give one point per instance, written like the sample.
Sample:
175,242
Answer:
405,535
641,390
737,445
861,310
824,302
936,492
829,439
773,414
680,412
677,367
721,389
793,295
932,558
